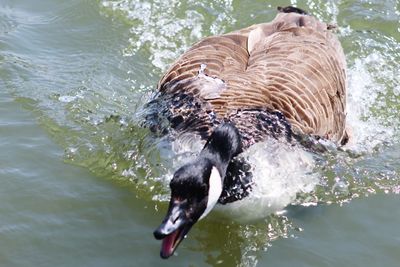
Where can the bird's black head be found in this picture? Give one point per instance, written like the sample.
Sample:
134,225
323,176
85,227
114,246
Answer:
196,187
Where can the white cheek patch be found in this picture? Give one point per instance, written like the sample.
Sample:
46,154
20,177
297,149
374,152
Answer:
214,191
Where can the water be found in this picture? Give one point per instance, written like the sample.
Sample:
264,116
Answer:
84,185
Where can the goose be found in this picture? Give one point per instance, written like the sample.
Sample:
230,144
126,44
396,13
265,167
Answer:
285,79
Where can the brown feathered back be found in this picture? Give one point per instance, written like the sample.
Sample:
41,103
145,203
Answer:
293,64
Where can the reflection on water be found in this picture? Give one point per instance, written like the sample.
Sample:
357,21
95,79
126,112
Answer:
241,244
86,83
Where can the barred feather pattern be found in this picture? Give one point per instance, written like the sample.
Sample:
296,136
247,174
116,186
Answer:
185,113
293,66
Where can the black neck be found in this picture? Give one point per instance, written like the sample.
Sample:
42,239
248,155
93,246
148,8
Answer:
223,144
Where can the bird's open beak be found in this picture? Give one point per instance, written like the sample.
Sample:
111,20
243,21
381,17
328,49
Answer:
174,228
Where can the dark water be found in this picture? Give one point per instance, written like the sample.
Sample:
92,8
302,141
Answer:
84,185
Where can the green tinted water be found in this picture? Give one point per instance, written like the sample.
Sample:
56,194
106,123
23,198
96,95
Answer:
84,185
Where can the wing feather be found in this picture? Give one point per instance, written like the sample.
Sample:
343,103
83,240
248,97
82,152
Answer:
293,64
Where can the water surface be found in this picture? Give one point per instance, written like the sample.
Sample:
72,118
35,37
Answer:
84,185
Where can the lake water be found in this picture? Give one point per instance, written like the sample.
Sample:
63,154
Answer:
83,185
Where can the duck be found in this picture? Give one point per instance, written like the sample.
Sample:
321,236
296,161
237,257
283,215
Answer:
284,79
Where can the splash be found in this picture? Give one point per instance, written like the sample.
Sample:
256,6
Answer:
167,30
283,175
280,171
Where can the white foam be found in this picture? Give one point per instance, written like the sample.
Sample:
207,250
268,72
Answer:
280,172
366,131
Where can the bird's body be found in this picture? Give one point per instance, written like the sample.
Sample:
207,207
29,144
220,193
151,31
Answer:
285,78
294,65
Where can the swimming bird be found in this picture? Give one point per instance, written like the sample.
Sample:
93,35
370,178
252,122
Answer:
285,79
